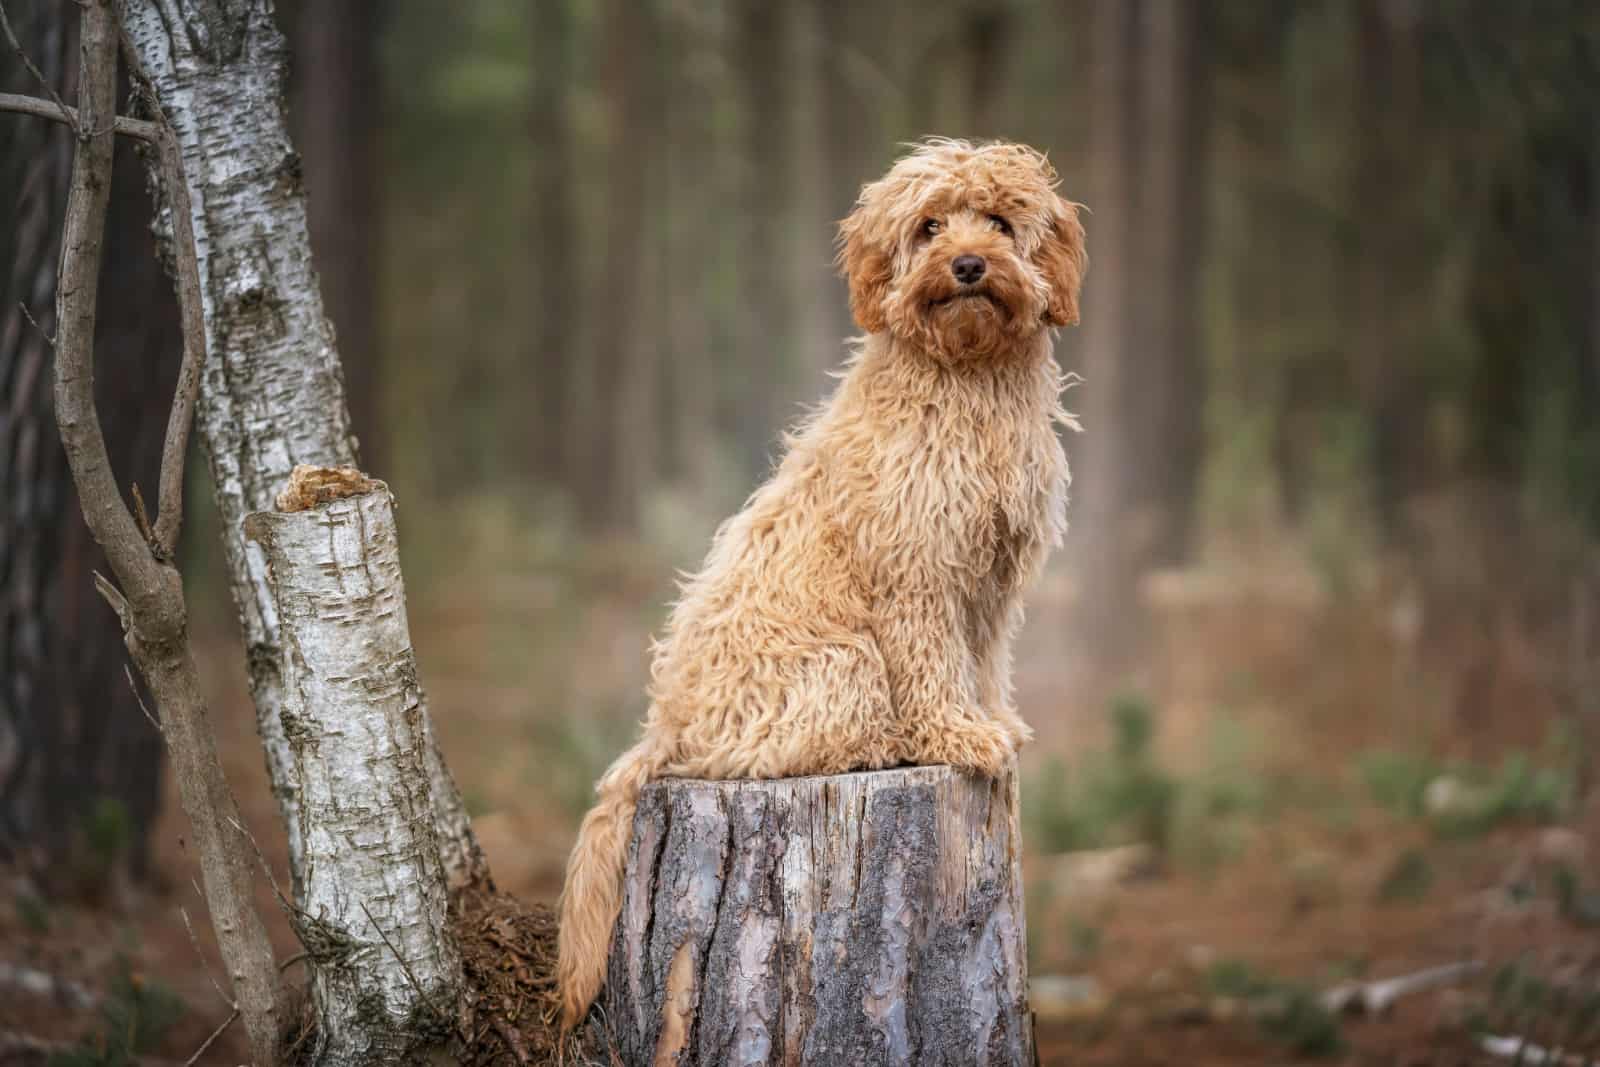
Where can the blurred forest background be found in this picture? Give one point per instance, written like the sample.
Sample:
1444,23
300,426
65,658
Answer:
1317,674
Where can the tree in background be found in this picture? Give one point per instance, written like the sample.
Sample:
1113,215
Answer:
80,765
1135,481
554,339
337,116
620,437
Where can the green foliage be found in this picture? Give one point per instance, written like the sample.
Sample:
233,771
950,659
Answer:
1289,1012
1302,1023
1397,780
33,912
1084,940
1124,795
577,751
1517,792
1409,879
135,1015
1121,795
1522,789
107,830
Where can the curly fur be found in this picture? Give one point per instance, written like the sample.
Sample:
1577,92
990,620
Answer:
858,612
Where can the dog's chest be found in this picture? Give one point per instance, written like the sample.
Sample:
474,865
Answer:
992,476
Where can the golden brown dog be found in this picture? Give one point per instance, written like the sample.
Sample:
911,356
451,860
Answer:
858,613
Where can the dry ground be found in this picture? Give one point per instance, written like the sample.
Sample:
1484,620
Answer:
1268,692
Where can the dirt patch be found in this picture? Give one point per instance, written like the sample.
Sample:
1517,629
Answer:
508,951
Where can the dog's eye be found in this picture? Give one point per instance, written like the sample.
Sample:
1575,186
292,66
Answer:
931,227
1001,224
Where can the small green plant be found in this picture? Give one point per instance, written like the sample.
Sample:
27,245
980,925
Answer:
1517,792
1083,939
1301,1022
577,751
1397,780
135,1015
33,913
1121,795
1409,879
1288,1012
107,833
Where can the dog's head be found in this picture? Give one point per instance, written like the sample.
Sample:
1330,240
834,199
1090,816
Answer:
964,249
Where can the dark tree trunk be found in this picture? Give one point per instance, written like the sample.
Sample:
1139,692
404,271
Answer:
553,248
80,764
1175,114
1386,125
336,121
850,128
761,362
695,193
985,35
1142,398
619,439
1101,479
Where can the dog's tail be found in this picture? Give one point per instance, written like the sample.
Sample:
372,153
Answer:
592,896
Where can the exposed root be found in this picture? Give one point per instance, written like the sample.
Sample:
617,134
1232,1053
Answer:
508,950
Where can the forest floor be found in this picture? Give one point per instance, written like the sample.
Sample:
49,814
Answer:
1262,822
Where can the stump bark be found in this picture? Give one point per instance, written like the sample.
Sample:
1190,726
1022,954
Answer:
871,918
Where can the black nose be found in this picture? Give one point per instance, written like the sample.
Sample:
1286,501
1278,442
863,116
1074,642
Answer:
968,269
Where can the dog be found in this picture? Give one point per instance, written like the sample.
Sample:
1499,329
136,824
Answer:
858,612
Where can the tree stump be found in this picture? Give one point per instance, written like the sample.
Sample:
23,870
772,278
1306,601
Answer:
871,918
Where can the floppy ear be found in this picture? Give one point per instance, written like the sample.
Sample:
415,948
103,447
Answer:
867,267
1064,260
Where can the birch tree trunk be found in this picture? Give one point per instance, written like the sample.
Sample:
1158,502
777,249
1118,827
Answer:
386,974
272,394
860,918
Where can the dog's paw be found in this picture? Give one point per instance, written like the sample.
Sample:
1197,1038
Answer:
1018,730
981,747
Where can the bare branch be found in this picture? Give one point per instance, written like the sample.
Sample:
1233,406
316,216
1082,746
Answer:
22,54
51,341
141,517
169,520
201,1051
113,596
150,601
56,111
194,942
405,965
77,292
284,902
131,685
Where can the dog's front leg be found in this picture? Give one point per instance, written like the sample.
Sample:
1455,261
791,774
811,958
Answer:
934,686
992,635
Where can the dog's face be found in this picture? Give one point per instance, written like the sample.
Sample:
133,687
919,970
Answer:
964,250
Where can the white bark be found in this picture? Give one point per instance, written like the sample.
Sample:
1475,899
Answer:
850,919
386,973
272,395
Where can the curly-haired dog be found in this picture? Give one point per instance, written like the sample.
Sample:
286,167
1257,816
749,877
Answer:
858,613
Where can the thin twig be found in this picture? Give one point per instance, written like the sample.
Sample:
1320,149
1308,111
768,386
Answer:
201,956
201,1051
142,516
152,597
56,111
284,902
22,54
404,966
113,596
169,519
191,312
127,670
51,341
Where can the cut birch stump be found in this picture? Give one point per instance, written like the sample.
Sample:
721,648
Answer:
386,973
872,918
